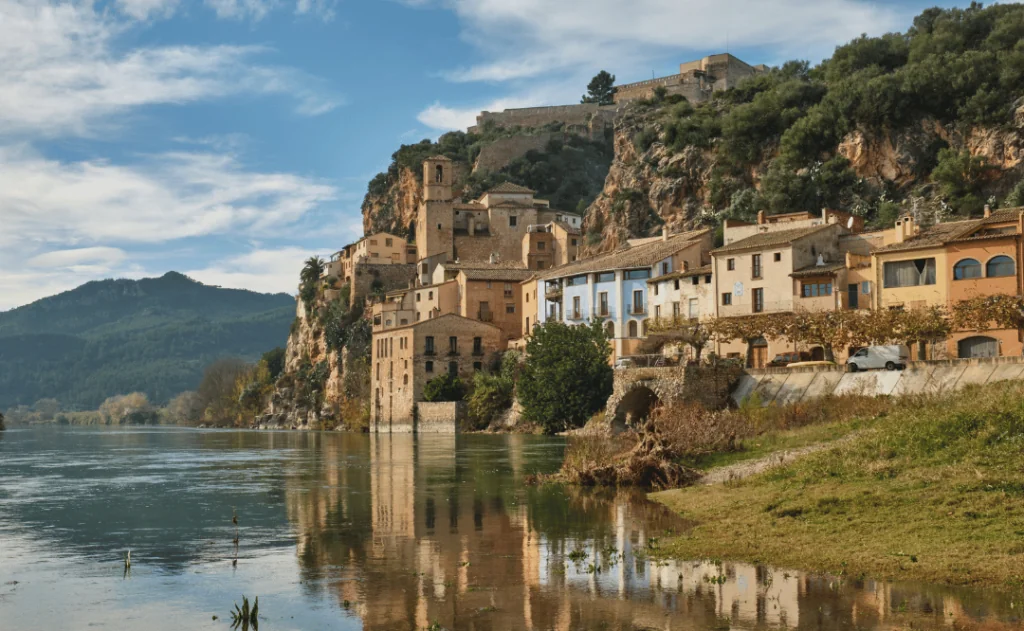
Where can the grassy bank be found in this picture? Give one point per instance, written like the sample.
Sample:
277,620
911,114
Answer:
931,489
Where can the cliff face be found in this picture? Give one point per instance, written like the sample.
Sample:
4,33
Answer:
393,207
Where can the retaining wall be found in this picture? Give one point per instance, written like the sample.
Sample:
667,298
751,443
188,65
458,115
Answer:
780,386
440,418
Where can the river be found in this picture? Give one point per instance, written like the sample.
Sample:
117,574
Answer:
352,531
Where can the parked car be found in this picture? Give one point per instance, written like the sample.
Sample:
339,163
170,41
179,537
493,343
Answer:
875,357
785,359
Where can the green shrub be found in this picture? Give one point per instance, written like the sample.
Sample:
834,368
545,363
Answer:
491,395
444,387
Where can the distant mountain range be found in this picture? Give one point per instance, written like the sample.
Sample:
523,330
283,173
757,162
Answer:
154,335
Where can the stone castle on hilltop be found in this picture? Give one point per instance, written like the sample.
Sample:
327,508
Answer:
696,80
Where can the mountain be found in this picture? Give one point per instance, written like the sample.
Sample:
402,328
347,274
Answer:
929,121
154,335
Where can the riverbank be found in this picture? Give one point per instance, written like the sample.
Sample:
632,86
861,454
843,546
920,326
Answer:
931,491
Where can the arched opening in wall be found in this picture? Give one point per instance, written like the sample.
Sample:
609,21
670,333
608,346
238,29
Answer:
439,174
636,406
757,353
817,354
632,328
978,346
412,232
609,329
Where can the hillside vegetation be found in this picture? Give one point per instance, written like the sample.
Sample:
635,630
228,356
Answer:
113,337
929,119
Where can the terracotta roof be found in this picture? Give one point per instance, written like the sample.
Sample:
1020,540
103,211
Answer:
689,274
509,187
497,273
828,269
567,227
771,239
469,206
509,203
628,257
952,231
431,321
455,265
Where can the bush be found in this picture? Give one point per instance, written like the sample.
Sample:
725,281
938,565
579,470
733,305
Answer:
491,395
444,387
566,376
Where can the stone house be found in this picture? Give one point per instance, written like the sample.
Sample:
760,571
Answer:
405,358
376,249
696,80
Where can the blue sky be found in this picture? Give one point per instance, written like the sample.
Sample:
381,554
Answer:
231,139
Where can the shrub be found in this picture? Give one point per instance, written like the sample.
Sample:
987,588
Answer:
444,387
491,395
566,376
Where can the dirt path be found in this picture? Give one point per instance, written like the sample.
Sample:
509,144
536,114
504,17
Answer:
748,468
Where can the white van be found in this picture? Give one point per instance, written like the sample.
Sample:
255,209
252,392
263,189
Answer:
873,357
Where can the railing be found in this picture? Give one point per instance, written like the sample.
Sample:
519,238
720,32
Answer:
576,315
430,352
637,310
453,352
478,352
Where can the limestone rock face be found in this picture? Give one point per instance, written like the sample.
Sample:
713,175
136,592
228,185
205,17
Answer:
395,208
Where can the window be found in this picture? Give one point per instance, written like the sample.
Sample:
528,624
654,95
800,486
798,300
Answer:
374,255
637,274
478,346
606,277
417,316
387,242
910,273
510,308
429,366
657,312
1000,266
429,348
574,242
477,366
966,269
694,306
453,369
865,287
696,280
675,310
677,284
512,221
777,257
540,245
707,279
576,315
373,242
430,295
488,284
453,345
813,290
541,264
439,174
638,301
632,328
730,264
508,290
758,297
576,280
755,266
656,288
727,298
602,303
405,380
666,267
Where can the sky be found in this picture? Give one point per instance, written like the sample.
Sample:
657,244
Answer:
231,139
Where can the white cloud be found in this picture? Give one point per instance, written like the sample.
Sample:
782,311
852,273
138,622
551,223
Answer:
62,71
530,38
91,260
160,198
145,9
266,270
446,118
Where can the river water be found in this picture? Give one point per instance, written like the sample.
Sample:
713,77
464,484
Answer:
344,531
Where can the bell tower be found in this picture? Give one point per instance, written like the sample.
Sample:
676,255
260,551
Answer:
434,222
437,179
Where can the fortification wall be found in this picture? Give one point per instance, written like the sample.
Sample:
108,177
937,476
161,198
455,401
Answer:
440,418
386,277
583,118
497,155
780,386
682,84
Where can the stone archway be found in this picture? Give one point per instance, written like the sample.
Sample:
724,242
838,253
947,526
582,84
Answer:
634,406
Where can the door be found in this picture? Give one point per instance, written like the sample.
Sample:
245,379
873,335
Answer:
759,356
852,293
978,346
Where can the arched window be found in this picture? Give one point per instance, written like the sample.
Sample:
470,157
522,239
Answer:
632,328
978,346
1000,266
439,174
405,380
609,328
966,268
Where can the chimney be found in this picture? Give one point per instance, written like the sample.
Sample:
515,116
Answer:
472,225
988,211
760,217
899,230
664,233
909,229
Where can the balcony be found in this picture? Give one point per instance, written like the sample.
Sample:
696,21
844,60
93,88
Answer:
575,315
478,352
454,352
485,316
552,292
431,352
637,310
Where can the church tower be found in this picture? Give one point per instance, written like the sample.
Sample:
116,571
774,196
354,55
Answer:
434,221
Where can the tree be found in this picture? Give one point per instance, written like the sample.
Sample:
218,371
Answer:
128,409
491,395
960,176
312,270
185,409
274,360
690,331
829,329
748,329
444,387
217,389
566,377
980,312
601,89
922,325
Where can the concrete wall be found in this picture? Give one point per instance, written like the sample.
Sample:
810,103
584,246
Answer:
780,386
440,418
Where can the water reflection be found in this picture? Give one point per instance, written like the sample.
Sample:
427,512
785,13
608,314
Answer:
381,532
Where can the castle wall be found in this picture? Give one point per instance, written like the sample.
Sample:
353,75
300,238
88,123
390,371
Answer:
583,118
391,276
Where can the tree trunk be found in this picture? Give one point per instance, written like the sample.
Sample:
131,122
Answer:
830,355
750,353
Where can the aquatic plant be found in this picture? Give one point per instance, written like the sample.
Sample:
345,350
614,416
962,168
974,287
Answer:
243,617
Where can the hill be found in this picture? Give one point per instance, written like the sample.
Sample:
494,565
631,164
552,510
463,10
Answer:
153,335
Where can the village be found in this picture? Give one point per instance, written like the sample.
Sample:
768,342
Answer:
479,275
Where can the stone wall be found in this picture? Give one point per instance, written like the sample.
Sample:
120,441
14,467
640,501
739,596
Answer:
582,117
780,386
440,418
685,85
497,155
391,276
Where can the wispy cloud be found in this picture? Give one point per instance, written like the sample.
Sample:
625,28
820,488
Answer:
267,270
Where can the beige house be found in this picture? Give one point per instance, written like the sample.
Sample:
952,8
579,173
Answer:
381,249
405,358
